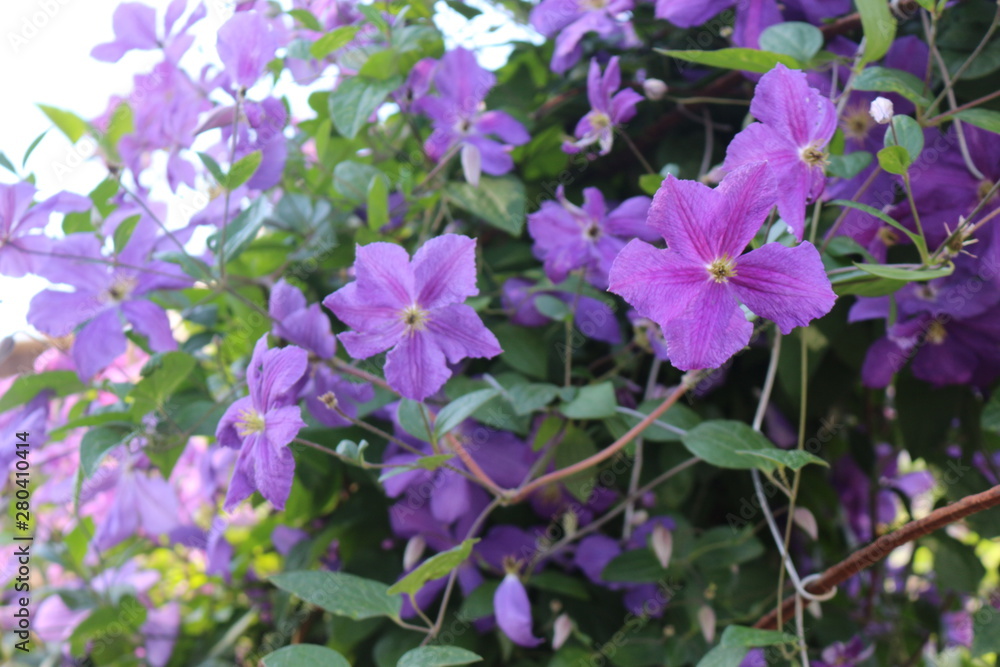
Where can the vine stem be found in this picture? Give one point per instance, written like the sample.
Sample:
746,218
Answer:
879,549
519,494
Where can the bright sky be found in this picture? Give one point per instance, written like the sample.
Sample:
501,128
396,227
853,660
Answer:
45,58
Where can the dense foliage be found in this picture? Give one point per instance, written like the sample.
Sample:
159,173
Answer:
592,359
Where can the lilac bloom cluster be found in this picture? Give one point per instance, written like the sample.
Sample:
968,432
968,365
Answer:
461,122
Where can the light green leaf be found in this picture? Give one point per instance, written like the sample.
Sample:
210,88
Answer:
850,165
97,442
437,566
162,375
356,99
341,593
749,60
894,159
595,401
213,167
730,444
26,387
241,172
460,409
498,201
333,40
879,27
27,153
553,308
650,183
353,180
799,40
737,635
308,19
793,458
889,80
411,418
305,655
724,656
437,656
243,229
378,203
906,274
909,133
71,125
123,232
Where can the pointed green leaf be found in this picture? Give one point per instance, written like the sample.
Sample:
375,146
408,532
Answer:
437,656
460,409
341,593
879,28
435,567
750,60
68,122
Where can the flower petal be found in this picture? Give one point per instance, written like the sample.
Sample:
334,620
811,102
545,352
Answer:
151,321
98,344
416,367
513,611
711,331
659,284
460,333
786,285
679,213
785,101
745,197
444,269
353,309
384,275
281,425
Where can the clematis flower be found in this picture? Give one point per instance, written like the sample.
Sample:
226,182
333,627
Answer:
568,21
135,29
108,291
21,224
459,120
569,237
305,326
694,288
610,108
141,501
592,317
262,424
414,309
796,124
839,654
246,45
513,611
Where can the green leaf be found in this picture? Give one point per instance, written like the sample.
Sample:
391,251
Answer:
530,397
411,418
68,122
553,308
437,656
243,229
730,444
635,566
894,159
881,215
464,9
7,164
437,566
122,122
906,274
241,172
378,203
355,99
790,458
678,415
991,414
879,27
97,442
850,165
909,133
353,180
889,80
308,19
31,149
862,283
749,60
26,387
213,167
460,409
799,40
986,637
112,626
381,65
982,118
305,655
596,401
341,593
163,374
333,40
123,232
500,202
737,635
724,656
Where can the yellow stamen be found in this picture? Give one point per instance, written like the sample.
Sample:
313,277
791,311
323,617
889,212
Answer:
722,269
415,318
249,421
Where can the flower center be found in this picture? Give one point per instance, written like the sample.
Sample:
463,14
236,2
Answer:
936,333
722,269
984,189
593,4
857,124
592,232
813,155
414,317
599,120
249,421
888,236
120,289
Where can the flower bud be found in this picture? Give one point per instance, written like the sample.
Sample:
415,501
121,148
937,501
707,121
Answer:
654,89
663,545
881,110
561,631
413,552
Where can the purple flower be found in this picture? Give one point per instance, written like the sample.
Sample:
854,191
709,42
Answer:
305,326
570,20
513,611
347,394
246,45
609,108
839,654
21,224
262,424
135,29
108,291
693,289
459,120
141,501
414,309
958,628
797,123
568,237
592,317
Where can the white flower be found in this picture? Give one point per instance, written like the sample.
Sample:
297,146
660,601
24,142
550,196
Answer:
881,110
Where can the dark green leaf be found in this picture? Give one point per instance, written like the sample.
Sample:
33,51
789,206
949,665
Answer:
26,387
909,133
749,60
333,40
437,566
888,80
799,40
730,444
592,402
437,656
97,442
982,118
160,382
498,201
906,274
850,165
461,409
355,99
305,655
341,593
31,149
213,167
243,229
411,418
